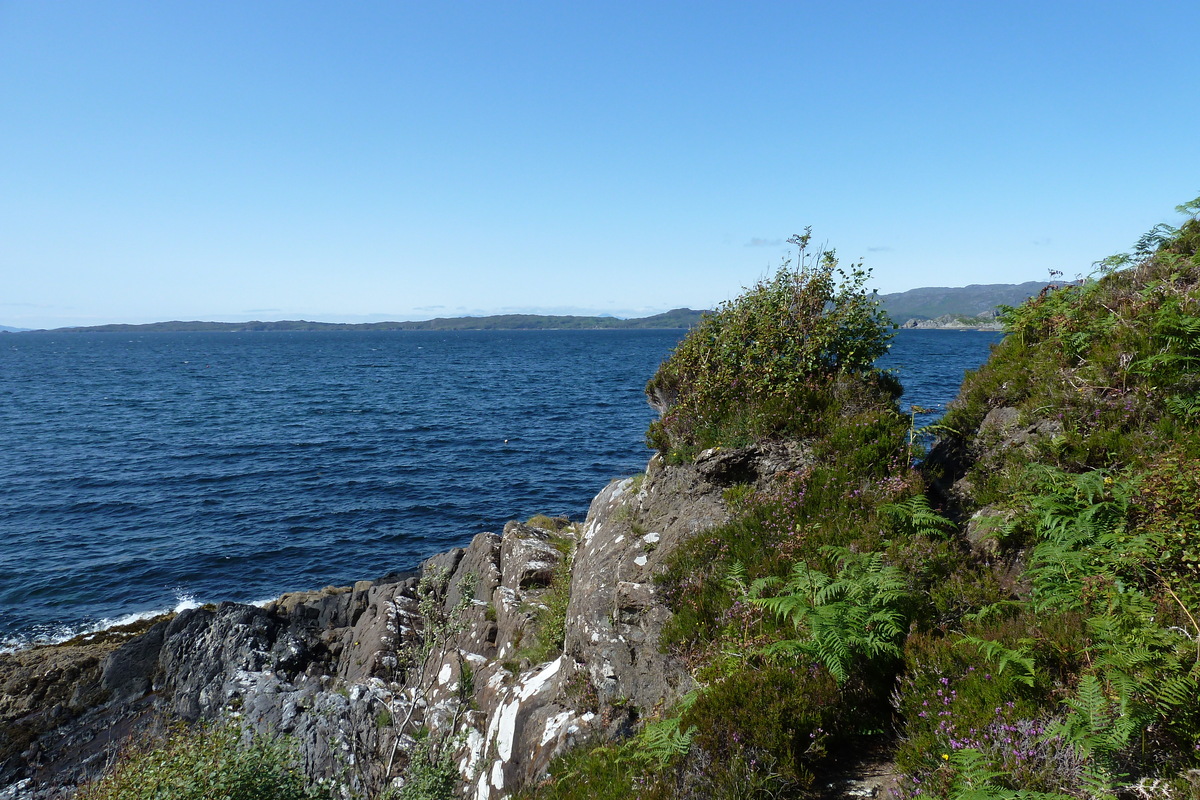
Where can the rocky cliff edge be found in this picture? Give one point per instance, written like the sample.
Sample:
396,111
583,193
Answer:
434,666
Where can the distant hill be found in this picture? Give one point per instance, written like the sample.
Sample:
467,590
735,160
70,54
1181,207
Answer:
969,306
932,302
7,329
677,318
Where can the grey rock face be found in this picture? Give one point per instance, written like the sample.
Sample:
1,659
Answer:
126,673
952,459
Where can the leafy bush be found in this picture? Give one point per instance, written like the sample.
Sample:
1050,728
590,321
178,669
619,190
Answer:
204,763
764,364
772,720
432,771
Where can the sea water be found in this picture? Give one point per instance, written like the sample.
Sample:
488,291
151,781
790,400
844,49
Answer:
146,471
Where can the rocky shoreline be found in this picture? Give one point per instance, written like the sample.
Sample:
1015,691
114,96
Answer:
352,673
986,321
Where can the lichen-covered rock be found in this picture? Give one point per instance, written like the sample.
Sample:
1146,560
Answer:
527,559
753,464
953,461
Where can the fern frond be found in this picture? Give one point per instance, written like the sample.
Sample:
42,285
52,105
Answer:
735,578
1185,406
1177,691
792,608
857,612
663,741
1003,657
1090,703
998,609
915,516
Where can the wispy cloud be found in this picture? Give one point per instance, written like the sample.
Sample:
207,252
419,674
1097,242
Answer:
262,311
756,242
1042,242
881,249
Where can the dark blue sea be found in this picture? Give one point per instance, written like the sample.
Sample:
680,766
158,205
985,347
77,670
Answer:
149,471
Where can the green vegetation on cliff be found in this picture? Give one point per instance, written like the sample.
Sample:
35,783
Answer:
1077,449
792,616
201,763
1016,617
773,363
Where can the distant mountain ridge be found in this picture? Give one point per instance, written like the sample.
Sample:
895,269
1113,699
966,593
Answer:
676,318
934,306
931,302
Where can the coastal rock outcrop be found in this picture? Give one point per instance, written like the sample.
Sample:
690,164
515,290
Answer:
985,321
353,672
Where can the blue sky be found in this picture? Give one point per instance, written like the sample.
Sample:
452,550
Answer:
403,160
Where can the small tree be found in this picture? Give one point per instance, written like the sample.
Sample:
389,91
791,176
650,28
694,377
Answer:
769,362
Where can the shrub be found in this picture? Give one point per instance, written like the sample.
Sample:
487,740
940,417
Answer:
772,721
766,363
203,763
432,772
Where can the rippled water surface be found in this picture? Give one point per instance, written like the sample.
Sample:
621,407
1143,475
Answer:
145,470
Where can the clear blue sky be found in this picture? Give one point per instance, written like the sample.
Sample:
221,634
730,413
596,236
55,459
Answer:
402,160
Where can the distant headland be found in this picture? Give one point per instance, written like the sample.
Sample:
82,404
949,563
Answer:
957,308
677,318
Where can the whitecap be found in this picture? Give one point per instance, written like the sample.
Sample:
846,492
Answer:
57,634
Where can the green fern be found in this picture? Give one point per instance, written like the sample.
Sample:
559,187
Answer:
1184,406
1001,609
1080,524
1176,339
1141,676
1098,730
914,517
1003,658
735,579
857,612
661,742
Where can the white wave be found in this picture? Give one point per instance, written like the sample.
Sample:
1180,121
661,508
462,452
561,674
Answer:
57,634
